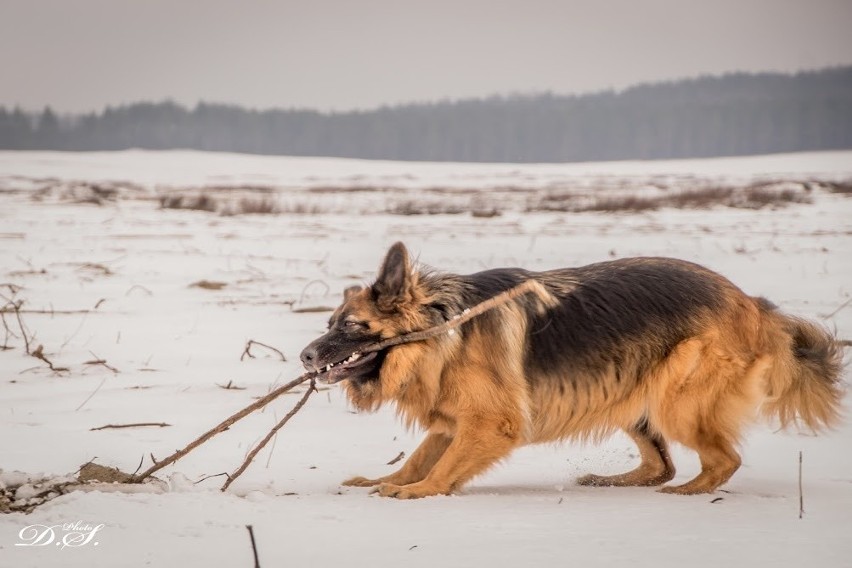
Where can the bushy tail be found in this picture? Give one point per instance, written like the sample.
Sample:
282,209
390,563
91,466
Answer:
804,381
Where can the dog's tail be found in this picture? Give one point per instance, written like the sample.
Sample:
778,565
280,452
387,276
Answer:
804,378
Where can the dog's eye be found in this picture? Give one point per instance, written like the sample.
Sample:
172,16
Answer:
353,325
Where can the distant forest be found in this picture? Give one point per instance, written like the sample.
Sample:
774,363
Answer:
737,114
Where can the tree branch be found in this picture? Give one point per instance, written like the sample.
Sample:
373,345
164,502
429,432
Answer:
221,427
247,350
250,457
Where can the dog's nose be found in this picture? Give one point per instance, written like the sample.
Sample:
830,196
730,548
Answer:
309,356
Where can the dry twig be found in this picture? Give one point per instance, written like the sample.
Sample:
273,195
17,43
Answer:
98,361
397,458
38,353
138,287
247,350
835,312
221,427
530,286
16,307
253,546
9,333
206,477
250,457
94,392
801,496
134,425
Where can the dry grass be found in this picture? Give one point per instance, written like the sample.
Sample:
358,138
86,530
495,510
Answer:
259,205
412,207
199,202
843,187
328,189
756,196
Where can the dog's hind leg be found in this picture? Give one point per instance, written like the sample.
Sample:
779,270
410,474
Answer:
416,467
656,467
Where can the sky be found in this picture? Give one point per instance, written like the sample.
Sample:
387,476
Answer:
334,55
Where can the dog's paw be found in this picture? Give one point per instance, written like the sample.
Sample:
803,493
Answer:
361,482
411,491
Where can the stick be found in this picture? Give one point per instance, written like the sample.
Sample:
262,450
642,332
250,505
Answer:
38,353
835,312
98,361
530,286
94,392
51,312
247,350
17,308
397,458
801,496
222,426
8,331
262,443
134,425
502,298
253,546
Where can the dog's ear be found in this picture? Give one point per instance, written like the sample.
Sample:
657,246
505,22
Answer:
350,291
393,285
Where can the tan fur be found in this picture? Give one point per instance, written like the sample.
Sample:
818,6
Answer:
472,397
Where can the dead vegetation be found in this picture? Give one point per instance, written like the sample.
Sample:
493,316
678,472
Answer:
199,202
133,425
87,192
842,187
14,305
414,207
754,196
247,351
209,285
604,193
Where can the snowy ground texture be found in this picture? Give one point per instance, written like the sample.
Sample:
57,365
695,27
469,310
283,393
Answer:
113,282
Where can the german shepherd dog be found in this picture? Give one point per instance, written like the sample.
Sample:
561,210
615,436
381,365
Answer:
663,349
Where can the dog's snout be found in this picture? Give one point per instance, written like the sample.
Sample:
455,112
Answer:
309,356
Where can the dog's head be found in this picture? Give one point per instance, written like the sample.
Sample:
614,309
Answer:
392,306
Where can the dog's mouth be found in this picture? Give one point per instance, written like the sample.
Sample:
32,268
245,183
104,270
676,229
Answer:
349,368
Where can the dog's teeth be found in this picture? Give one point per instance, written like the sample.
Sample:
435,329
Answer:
327,368
352,358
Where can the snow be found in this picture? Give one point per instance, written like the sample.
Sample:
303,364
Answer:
174,345
190,167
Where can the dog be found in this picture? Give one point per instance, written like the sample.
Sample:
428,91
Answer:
663,349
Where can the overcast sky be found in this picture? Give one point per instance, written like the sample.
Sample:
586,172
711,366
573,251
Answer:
80,55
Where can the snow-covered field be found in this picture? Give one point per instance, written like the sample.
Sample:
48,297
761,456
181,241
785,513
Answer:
113,282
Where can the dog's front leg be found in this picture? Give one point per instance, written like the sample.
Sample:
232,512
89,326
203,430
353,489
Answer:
416,467
477,445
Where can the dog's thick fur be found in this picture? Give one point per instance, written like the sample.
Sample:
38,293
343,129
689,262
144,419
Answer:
663,349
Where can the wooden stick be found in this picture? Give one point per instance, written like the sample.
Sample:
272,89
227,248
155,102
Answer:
17,309
247,350
250,457
134,425
221,427
253,546
398,457
530,286
801,496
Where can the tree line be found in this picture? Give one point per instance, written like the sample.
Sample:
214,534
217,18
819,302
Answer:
735,114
